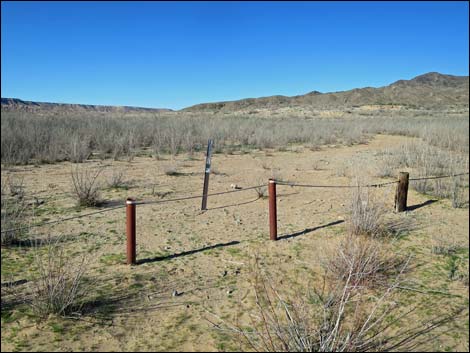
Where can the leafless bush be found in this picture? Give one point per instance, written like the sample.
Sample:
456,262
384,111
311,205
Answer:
13,220
13,210
15,186
366,214
341,318
262,189
429,161
363,261
46,138
59,287
116,179
79,150
85,186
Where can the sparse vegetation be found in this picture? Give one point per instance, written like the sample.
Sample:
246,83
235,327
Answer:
171,169
60,287
14,219
366,214
85,186
182,246
427,160
13,210
338,318
116,179
71,137
363,261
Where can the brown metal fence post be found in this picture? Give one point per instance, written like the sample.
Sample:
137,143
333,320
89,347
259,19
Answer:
130,230
272,210
402,192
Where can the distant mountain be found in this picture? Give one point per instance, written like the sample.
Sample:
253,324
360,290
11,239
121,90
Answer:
431,90
15,104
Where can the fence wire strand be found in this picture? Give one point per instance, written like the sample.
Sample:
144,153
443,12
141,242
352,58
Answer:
122,206
438,177
280,182
198,196
63,219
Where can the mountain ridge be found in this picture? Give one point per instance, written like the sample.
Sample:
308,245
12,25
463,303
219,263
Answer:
430,90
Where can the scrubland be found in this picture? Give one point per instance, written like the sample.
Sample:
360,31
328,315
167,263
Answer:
347,273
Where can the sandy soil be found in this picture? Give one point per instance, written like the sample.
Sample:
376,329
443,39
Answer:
206,256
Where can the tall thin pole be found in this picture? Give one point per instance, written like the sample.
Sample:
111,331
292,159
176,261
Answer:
207,172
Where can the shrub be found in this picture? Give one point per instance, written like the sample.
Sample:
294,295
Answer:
85,186
79,150
116,179
363,261
336,319
13,210
59,287
366,215
171,170
13,220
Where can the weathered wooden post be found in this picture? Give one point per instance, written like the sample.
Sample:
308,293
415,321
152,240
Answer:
402,192
272,210
130,230
207,172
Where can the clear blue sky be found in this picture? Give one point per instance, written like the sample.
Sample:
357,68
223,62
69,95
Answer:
167,54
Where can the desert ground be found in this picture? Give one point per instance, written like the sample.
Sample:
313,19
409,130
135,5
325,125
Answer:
195,272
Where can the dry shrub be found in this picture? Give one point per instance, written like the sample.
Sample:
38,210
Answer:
79,150
430,161
13,220
46,137
363,261
342,318
116,179
14,187
366,214
262,190
13,210
60,286
85,185
171,169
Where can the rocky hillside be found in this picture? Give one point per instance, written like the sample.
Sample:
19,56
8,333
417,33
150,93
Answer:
432,90
14,104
